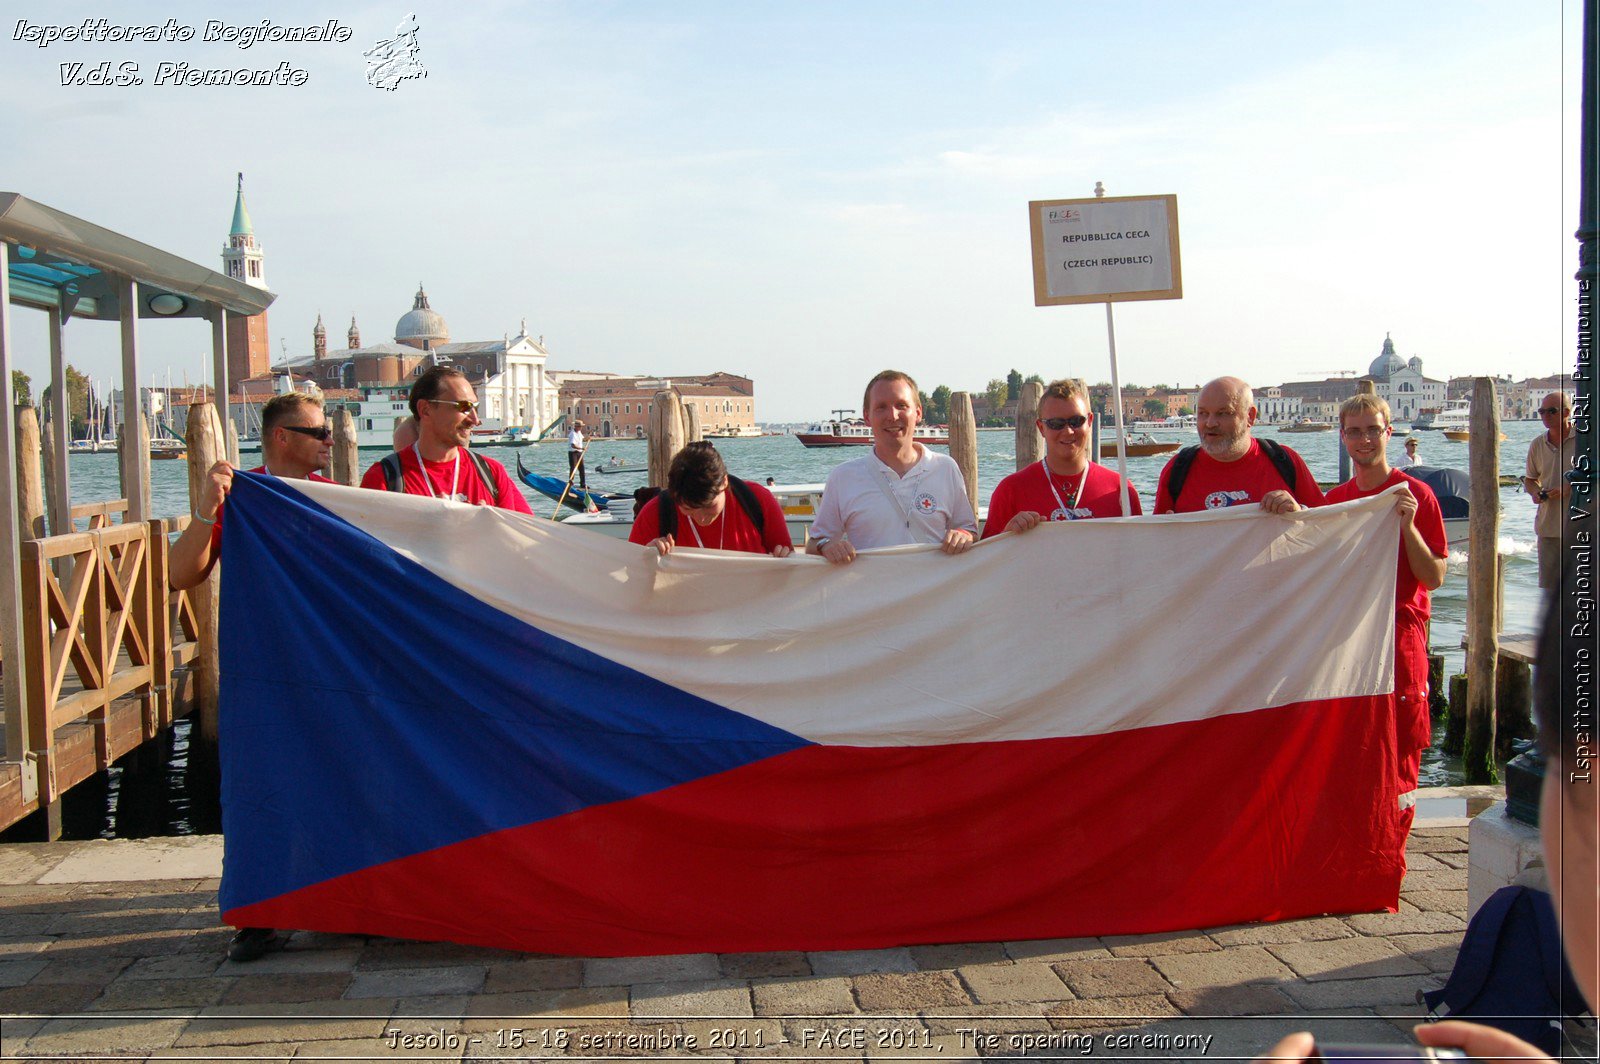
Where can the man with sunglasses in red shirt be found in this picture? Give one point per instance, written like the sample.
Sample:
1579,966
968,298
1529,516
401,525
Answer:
439,464
1067,485
295,443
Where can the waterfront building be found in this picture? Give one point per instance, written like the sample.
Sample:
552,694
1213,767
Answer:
244,261
613,405
1403,385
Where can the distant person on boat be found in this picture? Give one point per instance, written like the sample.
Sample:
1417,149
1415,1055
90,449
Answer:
705,506
575,448
900,493
1067,485
295,443
1230,467
1365,427
439,464
1412,457
1549,458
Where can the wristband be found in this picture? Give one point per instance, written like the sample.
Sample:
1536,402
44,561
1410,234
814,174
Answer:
196,515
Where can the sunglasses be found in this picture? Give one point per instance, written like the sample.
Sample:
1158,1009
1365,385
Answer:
463,406
1056,424
1546,411
323,432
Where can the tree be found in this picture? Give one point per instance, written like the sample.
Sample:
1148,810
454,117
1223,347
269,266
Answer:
1033,378
1013,386
996,393
22,385
1155,408
940,410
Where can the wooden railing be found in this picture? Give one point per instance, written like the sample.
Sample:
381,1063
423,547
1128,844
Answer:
102,634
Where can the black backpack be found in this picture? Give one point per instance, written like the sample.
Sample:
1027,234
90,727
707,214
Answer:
1511,972
1276,453
667,507
394,478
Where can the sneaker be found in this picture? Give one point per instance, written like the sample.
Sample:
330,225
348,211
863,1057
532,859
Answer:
252,943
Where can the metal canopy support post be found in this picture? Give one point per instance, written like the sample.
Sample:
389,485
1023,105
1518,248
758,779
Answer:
219,364
135,458
61,520
15,682
1122,426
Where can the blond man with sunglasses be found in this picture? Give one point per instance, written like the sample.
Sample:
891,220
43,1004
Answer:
295,443
1067,484
439,464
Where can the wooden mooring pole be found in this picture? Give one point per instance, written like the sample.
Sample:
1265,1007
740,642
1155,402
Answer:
1483,550
346,460
1030,444
205,443
666,434
30,492
692,432
964,442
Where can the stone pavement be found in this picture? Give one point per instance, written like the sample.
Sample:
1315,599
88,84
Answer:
114,949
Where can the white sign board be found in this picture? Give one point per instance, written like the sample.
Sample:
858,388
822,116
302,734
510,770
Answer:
1105,249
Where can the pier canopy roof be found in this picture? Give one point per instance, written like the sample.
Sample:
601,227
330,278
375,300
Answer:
62,262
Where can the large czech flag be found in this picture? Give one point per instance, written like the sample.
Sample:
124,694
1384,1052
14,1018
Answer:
450,722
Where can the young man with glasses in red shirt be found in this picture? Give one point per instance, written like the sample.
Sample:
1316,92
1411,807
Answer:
1067,484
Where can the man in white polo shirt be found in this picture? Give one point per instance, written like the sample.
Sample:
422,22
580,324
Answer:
900,493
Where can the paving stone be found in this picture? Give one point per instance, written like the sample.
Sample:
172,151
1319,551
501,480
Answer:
1426,862
534,973
1111,977
113,1035
575,1006
432,1007
309,987
447,1046
294,962
48,998
414,982
177,966
200,919
1409,923
299,940
756,1037
1349,958
1454,860
1314,929
83,970
266,1051
120,922
1249,1000
906,993
957,955
1436,844
18,924
862,961
1447,901
710,997
1091,1013
1444,879
1437,953
1025,981
1008,1018
137,944
1346,993
399,953
1234,965
127,995
1051,950
763,965
22,945
818,996
19,971
622,971
213,941
1167,942
925,1045
235,1025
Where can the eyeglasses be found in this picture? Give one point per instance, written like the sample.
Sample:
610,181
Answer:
1056,424
321,432
463,406
1546,411
1364,434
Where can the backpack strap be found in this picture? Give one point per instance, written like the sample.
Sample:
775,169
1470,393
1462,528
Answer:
667,511
481,464
1179,472
1282,461
393,478
750,504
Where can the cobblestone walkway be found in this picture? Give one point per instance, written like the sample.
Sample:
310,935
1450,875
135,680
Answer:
136,970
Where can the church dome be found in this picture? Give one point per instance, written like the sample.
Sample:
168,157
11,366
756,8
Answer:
1415,363
421,326
1387,362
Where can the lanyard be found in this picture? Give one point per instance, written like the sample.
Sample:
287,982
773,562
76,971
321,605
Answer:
1048,479
722,535
455,478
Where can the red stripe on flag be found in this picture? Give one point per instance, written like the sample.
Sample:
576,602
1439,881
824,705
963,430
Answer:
1254,816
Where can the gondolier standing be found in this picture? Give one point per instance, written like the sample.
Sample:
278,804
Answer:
575,447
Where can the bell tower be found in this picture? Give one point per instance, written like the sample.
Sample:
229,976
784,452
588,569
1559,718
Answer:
242,260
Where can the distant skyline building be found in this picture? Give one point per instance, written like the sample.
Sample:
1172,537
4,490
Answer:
243,260
1402,384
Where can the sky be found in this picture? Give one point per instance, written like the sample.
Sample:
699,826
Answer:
808,193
